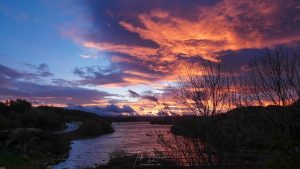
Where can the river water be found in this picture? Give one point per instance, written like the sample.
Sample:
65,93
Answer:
133,137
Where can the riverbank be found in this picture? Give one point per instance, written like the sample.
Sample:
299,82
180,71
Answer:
120,159
245,137
133,137
117,162
30,137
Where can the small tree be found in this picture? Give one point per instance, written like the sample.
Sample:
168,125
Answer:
204,89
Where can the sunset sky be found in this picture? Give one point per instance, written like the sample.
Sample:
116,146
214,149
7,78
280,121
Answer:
121,54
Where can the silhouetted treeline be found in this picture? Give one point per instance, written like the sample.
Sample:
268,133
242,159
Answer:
20,114
245,128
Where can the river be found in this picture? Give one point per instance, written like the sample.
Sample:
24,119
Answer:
133,137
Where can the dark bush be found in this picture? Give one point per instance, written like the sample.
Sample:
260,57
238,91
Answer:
34,143
94,127
20,105
47,120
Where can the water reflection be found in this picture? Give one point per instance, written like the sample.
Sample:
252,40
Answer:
133,137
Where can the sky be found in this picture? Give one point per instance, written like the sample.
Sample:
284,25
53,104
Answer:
120,55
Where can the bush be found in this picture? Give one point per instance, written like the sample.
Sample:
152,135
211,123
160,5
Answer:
47,120
34,143
7,124
94,128
20,105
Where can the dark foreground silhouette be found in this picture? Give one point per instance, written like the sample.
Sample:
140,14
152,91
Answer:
245,137
29,137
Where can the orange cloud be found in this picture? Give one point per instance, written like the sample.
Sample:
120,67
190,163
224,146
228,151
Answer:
227,25
211,32
215,30
142,52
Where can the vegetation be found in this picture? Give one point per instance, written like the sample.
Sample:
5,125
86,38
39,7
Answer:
120,159
250,131
263,135
20,114
247,128
29,134
91,128
13,160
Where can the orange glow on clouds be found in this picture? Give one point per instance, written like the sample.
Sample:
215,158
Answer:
216,28
228,25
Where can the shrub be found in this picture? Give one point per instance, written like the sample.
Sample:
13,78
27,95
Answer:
20,105
94,127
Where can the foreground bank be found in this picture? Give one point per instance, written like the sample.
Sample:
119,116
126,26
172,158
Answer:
29,137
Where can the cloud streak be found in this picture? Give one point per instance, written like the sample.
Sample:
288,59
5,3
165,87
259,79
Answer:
144,96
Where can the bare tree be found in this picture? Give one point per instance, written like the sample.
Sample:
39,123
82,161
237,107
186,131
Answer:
203,89
208,90
274,78
293,72
185,151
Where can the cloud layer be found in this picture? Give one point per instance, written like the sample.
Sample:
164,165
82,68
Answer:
150,41
17,84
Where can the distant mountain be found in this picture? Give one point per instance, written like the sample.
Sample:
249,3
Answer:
109,110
